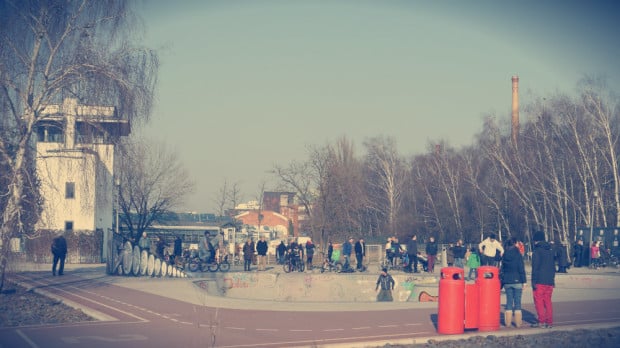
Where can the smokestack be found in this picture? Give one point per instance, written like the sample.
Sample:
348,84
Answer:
515,109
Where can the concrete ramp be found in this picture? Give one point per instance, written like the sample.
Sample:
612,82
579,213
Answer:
313,287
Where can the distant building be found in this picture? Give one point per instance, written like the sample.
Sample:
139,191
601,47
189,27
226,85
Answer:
75,163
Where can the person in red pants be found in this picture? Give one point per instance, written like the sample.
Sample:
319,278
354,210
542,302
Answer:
543,280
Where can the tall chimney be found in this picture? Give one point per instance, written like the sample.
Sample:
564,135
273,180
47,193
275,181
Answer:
515,109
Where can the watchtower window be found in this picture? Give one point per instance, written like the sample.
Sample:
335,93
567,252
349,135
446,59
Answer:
70,190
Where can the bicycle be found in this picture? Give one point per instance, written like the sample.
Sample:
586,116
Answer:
219,264
293,263
330,265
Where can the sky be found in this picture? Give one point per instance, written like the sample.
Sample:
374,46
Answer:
246,85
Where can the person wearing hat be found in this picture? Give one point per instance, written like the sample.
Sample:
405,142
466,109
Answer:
543,280
386,282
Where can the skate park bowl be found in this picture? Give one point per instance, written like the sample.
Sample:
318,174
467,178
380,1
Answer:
315,287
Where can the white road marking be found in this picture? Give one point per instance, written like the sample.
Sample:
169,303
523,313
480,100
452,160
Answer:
333,330
26,338
388,326
362,328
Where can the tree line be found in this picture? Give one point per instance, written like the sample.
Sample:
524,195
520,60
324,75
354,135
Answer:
560,174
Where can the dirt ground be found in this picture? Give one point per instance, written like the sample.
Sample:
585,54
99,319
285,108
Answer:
19,307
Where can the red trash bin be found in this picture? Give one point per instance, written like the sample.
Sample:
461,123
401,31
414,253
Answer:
489,298
472,306
451,312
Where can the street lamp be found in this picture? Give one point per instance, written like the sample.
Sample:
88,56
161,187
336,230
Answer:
117,184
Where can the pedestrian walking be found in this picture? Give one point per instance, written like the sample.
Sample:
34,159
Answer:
59,251
543,280
386,283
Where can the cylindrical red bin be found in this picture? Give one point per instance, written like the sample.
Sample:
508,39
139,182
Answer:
489,298
472,306
451,312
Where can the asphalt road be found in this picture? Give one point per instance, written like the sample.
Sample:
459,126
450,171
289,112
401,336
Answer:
141,319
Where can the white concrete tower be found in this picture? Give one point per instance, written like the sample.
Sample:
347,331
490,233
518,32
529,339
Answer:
75,163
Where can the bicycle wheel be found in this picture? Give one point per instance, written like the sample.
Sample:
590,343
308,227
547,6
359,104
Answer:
224,266
301,266
193,266
212,267
338,267
135,264
204,267
287,267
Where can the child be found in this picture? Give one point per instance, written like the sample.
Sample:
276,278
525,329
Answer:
473,262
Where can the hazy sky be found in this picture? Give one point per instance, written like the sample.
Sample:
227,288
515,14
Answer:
247,84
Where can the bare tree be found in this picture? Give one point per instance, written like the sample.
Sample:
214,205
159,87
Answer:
153,182
385,179
55,49
221,198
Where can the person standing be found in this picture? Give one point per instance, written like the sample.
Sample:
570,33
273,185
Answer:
595,254
360,253
473,262
261,250
178,247
459,254
144,243
309,253
578,253
386,283
543,280
248,253
281,252
330,250
59,251
412,252
562,256
513,279
489,249
431,254
347,248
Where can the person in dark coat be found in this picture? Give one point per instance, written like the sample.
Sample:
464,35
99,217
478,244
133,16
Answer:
178,247
513,279
562,256
431,254
360,253
59,251
459,252
412,252
543,280
248,254
281,252
578,253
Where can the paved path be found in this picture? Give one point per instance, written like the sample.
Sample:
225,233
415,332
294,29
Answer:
139,312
